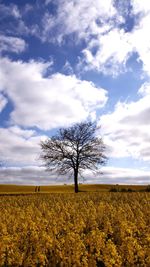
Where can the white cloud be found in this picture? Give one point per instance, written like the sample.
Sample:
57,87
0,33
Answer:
12,44
15,11
101,24
18,146
113,50
126,130
142,7
31,175
77,17
34,175
140,39
47,102
10,10
108,46
113,47
3,102
114,175
118,175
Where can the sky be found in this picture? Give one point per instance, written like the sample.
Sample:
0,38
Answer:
67,61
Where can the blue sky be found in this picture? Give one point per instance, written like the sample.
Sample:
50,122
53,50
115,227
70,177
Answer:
62,62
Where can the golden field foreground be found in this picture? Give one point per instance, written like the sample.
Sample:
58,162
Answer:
84,229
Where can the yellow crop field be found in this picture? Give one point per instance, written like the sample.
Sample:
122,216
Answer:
25,189
87,229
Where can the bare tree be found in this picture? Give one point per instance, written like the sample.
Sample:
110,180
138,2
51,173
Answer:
74,149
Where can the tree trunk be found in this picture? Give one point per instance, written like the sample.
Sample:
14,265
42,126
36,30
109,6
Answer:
76,181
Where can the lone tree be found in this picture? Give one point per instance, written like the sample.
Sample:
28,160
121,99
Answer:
74,149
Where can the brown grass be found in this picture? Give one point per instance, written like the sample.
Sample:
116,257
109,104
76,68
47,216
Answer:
27,189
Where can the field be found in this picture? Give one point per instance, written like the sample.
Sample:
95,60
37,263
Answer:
22,189
88,229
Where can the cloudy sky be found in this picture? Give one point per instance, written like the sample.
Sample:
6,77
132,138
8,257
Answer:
65,61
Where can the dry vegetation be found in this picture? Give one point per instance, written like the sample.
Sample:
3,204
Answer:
86,229
24,189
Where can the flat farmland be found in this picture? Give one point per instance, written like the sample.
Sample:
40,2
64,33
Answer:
29,189
88,229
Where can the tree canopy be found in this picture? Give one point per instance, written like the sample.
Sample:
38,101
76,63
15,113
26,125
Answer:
74,149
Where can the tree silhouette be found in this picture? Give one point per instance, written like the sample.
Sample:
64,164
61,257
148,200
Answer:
74,149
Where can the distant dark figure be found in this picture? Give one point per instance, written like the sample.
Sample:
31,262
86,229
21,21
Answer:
37,189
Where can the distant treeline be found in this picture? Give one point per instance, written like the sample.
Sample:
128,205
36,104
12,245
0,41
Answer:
116,188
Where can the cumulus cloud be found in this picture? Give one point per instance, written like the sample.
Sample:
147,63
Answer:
47,102
9,11
118,175
114,47
77,17
30,175
12,44
126,129
33,175
110,59
112,30
114,175
18,146
140,7
140,36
